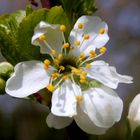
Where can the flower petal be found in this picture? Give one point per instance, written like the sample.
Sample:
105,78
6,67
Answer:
84,122
107,75
53,37
134,113
64,100
58,122
29,77
92,26
102,105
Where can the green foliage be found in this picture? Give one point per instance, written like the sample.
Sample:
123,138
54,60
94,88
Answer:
2,86
77,8
16,31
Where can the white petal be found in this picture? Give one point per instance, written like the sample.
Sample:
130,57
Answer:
107,75
53,37
84,122
64,100
92,25
134,113
28,78
103,106
58,122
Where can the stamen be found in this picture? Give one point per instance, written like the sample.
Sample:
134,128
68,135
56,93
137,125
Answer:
66,45
88,65
53,52
60,56
47,62
92,53
50,87
86,36
65,77
56,61
102,50
79,98
82,55
63,28
77,43
102,30
54,75
80,26
42,37
62,68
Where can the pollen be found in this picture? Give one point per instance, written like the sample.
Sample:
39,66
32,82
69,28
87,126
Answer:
60,56
47,62
50,87
56,61
62,68
88,65
42,37
86,36
83,80
65,77
66,45
77,43
102,30
102,50
54,75
53,52
80,26
82,56
79,98
92,53
63,28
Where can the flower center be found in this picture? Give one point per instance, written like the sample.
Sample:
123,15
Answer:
65,65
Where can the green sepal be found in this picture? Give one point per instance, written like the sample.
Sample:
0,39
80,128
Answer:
2,86
6,70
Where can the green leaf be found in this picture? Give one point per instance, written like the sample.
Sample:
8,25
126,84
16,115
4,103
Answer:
8,27
17,31
25,31
77,8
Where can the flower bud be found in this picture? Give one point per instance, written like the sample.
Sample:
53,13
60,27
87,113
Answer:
134,113
6,69
2,86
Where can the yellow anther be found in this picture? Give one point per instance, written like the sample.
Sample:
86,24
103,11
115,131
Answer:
102,50
65,77
83,81
46,66
84,73
62,68
66,45
53,52
102,30
79,98
77,43
62,28
60,56
80,26
50,87
54,75
42,37
56,61
82,55
75,71
86,36
88,65
82,77
92,53
47,62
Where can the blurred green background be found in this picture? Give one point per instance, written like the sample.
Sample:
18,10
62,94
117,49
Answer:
23,120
